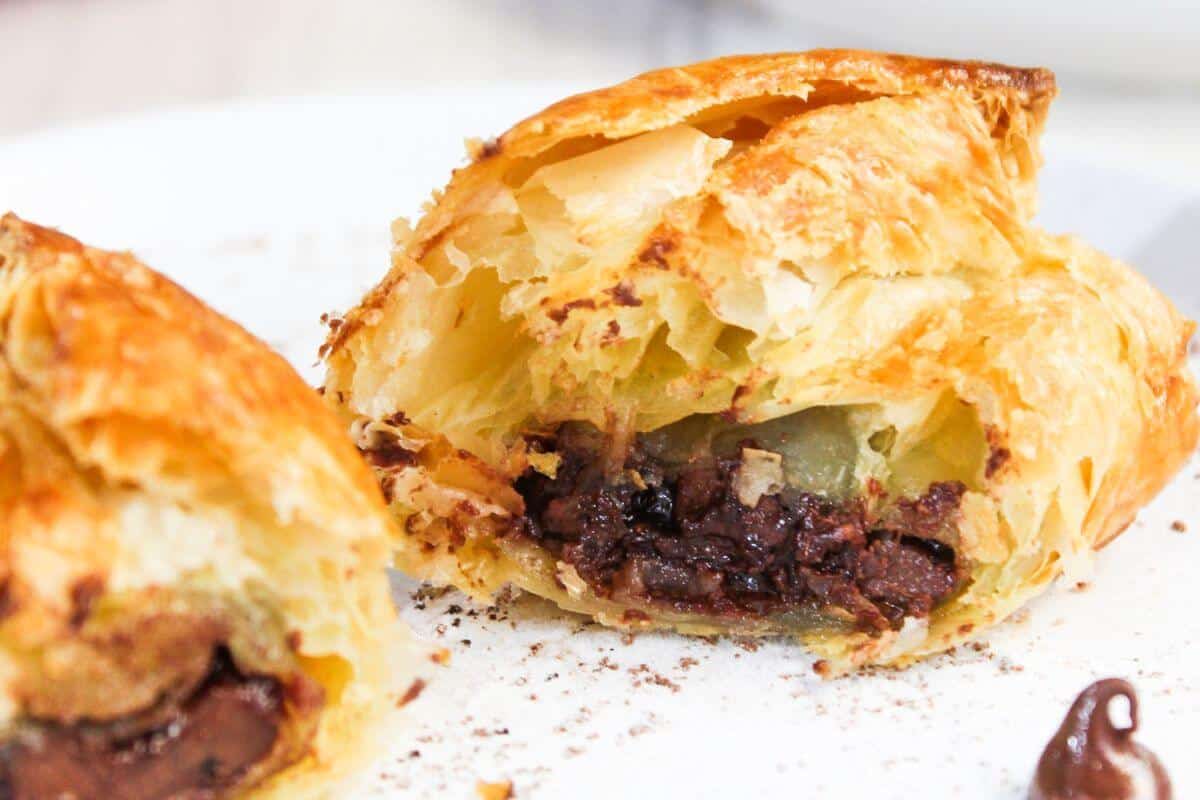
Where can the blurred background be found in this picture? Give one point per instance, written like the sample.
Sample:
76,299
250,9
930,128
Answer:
1130,72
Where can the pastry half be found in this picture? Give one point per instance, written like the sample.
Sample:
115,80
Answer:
192,592
766,345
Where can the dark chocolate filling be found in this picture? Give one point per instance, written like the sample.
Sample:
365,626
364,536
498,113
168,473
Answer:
198,748
677,536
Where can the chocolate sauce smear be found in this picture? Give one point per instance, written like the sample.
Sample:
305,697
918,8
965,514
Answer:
1089,758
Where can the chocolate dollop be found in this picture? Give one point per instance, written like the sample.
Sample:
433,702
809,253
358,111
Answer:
1090,758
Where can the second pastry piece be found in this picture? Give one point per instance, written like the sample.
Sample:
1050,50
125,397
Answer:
192,555
765,344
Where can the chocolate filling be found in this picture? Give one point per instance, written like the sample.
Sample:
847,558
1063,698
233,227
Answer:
677,535
198,748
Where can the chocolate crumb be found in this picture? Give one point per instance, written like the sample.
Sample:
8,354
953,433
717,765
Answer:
997,458
650,676
388,452
428,591
655,253
84,593
489,148
397,420
484,733
412,693
1179,526
623,294
9,604
560,314
332,321
739,393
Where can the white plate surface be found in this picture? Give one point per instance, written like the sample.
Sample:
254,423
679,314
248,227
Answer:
275,213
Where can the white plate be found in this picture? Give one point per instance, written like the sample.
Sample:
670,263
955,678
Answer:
275,213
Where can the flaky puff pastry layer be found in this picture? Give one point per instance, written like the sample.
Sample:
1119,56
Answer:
169,485
753,237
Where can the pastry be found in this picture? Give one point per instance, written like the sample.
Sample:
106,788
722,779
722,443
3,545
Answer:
192,591
765,345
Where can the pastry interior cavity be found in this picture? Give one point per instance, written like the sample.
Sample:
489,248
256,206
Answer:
787,517
229,731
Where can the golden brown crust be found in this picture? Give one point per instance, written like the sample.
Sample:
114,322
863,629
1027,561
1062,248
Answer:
666,96
156,355
1014,101
167,480
754,237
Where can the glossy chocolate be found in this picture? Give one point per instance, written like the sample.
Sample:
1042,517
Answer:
1090,758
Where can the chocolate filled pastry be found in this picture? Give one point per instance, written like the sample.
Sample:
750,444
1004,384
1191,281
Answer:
193,600
765,345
